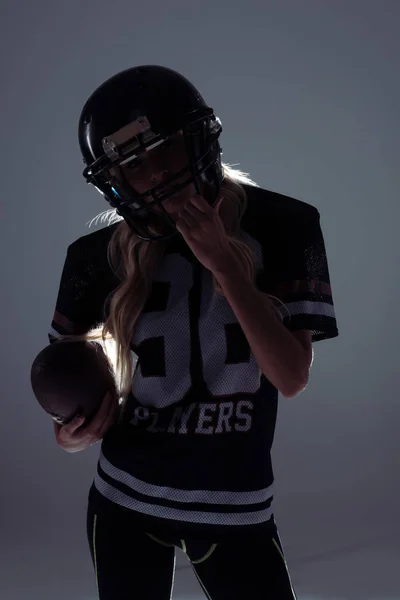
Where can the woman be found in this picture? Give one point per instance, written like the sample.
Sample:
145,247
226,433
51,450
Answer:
184,288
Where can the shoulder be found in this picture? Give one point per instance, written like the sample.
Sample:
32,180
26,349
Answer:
87,258
94,242
276,220
262,202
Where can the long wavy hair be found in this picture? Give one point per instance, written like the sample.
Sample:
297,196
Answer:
134,262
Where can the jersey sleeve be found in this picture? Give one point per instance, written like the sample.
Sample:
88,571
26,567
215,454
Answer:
297,274
75,310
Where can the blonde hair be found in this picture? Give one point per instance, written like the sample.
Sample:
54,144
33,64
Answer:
134,261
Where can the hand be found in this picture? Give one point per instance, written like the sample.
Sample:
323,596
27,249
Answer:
204,232
74,437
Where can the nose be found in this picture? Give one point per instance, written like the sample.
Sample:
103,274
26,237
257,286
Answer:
159,175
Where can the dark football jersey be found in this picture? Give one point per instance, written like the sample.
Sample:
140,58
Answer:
192,455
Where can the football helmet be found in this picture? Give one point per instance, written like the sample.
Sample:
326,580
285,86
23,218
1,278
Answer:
133,112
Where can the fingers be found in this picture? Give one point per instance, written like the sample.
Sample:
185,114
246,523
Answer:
76,422
100,422
102,416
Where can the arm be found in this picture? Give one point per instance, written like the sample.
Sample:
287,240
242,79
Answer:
281,357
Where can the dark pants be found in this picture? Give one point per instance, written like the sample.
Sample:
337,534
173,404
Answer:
131,564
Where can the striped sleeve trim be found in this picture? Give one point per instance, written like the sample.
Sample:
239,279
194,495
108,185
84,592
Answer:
63,323
294,287
308,304
62,326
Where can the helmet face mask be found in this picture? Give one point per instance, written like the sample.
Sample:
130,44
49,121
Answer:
168,158
176,134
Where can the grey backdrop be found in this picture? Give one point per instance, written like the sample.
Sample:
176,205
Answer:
308,92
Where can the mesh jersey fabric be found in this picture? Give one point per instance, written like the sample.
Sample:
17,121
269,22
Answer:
193,453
